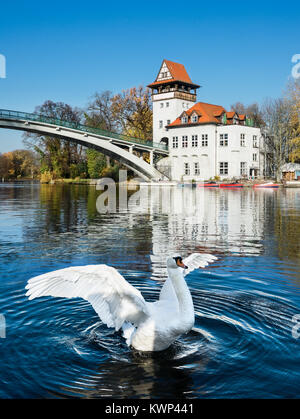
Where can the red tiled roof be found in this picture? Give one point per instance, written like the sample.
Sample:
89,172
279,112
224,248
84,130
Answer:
207,112
178,73
230,114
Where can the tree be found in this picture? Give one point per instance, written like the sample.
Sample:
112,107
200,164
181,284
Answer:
19,164
133,113
293,98
96,162
5,165
99,113
56,155
252,111
276,113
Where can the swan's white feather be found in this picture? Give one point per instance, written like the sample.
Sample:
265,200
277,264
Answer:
197,260
112,297
147,326
167,293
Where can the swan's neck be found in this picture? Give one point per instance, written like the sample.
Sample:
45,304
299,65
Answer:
185,302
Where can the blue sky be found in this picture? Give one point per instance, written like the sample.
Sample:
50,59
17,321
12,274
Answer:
66,51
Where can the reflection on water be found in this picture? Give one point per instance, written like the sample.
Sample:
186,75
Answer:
241,346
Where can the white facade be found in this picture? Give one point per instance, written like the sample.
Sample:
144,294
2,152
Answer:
201,151
166,108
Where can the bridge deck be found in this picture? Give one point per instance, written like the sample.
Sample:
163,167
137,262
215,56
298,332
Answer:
16,115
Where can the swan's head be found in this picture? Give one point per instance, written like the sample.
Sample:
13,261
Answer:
175,262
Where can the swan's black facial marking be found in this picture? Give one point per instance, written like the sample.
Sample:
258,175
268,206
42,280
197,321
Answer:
178,260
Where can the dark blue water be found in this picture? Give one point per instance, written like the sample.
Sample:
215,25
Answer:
242,344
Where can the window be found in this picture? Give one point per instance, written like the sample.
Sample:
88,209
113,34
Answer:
243,143
160,124
168,122
243,168
186,169
184,141
161,105
167,104
223,140
204,140
175,142
223,168
184,120
255,142
196,168
195,118
254,157
194,140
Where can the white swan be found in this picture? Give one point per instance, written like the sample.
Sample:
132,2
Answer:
147,326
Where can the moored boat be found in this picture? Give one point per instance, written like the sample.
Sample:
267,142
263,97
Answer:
208,185
266,185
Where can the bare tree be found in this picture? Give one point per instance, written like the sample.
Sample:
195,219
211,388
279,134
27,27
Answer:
252,111
99,112
276,114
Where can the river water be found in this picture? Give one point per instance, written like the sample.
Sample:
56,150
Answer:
245,342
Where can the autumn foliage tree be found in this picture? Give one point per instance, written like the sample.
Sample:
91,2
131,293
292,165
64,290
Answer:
293,99
132,112
19,164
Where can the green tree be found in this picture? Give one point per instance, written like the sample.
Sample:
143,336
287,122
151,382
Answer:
96,162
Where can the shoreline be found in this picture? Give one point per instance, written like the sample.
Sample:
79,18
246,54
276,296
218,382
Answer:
93,182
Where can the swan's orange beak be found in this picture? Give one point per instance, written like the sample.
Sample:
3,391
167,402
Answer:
180,263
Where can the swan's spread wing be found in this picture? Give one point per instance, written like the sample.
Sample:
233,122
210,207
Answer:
197,260
112,297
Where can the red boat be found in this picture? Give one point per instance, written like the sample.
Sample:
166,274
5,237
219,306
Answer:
208,185
266,185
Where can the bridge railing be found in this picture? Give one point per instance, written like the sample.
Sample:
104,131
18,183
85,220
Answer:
4,113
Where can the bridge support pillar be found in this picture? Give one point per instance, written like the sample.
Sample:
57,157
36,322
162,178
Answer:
130,149
151,158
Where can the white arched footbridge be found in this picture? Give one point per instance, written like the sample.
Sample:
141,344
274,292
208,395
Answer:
117,146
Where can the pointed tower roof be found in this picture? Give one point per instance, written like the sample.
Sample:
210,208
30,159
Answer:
171,72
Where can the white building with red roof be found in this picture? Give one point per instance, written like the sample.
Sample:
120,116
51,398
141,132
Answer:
204,139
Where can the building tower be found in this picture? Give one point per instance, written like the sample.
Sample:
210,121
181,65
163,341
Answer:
172,93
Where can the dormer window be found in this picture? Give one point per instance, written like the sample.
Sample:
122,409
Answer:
184,119
194,118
